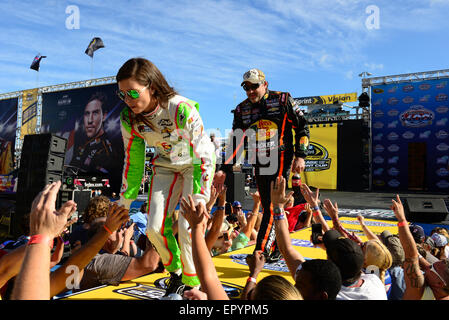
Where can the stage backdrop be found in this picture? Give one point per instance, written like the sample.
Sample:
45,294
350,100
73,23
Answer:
410,135
8,126
65,113
321,162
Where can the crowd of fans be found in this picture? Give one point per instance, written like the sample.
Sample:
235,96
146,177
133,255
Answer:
109,246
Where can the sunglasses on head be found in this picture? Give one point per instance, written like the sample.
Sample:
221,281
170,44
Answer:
132,93
252,86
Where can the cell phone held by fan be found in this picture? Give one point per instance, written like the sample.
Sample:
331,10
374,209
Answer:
317,233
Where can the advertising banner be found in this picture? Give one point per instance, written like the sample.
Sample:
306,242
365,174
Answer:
29,112
327,99
410,135
8,125
321,162
89,118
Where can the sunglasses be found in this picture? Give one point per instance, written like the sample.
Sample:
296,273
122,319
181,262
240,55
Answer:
133,93
252,86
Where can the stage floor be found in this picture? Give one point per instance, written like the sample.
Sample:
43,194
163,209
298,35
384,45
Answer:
231,267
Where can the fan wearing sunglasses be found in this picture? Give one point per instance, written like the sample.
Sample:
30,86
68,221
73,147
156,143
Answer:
273,116
184,163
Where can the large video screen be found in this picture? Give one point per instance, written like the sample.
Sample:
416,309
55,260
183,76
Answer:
410,135
89,118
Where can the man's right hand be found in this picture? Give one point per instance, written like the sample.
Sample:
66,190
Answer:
219,179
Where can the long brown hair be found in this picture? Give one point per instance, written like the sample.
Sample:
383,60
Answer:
147,74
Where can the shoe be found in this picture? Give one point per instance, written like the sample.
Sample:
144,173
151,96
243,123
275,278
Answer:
174,285
275,256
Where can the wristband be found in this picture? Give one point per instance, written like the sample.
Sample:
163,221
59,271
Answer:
251,279
402,223
40,238
107,229
315,213
278,217
316,208
278,211
220,207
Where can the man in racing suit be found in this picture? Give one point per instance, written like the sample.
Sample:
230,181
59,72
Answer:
184,165
263,126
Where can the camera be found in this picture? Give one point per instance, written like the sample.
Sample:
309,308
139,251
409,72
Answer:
127,224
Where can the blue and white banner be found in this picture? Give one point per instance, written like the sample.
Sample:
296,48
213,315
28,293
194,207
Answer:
404,113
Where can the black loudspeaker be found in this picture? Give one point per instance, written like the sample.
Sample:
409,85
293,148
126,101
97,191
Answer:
235,183
81,197
41,162
425,210
239,187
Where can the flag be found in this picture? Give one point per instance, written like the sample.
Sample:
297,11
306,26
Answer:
36,62
95,44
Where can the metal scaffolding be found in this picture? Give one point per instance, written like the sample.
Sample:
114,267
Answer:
406,77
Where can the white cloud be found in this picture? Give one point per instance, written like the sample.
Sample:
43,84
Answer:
349,75
373,66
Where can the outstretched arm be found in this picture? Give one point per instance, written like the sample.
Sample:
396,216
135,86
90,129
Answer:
33,280
368,233
312,199
117,215
414,280
201,255
292,257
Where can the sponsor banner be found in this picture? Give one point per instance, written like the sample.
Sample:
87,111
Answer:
29,112
8,125
321,162
89,118
405,113
327,99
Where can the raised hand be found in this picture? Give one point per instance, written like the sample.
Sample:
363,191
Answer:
255,263
44,219
398,209
116,217
331,210
312,198
219,179
277,191
256,196
195,216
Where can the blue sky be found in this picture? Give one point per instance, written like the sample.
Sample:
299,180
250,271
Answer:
313,47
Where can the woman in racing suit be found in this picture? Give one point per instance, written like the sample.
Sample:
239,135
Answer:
184,164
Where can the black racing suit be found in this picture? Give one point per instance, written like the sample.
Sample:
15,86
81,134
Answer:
275,152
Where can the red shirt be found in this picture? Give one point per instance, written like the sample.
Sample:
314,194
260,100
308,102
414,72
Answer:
293,216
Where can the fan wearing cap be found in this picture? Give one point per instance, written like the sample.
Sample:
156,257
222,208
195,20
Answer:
266,120
349,258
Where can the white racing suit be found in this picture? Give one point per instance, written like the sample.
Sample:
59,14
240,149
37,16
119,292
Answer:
184,165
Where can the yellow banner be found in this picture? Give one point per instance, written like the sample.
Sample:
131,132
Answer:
29,112
329,99
321,163
344,97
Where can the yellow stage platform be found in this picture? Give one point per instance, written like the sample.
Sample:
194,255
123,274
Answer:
231,267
